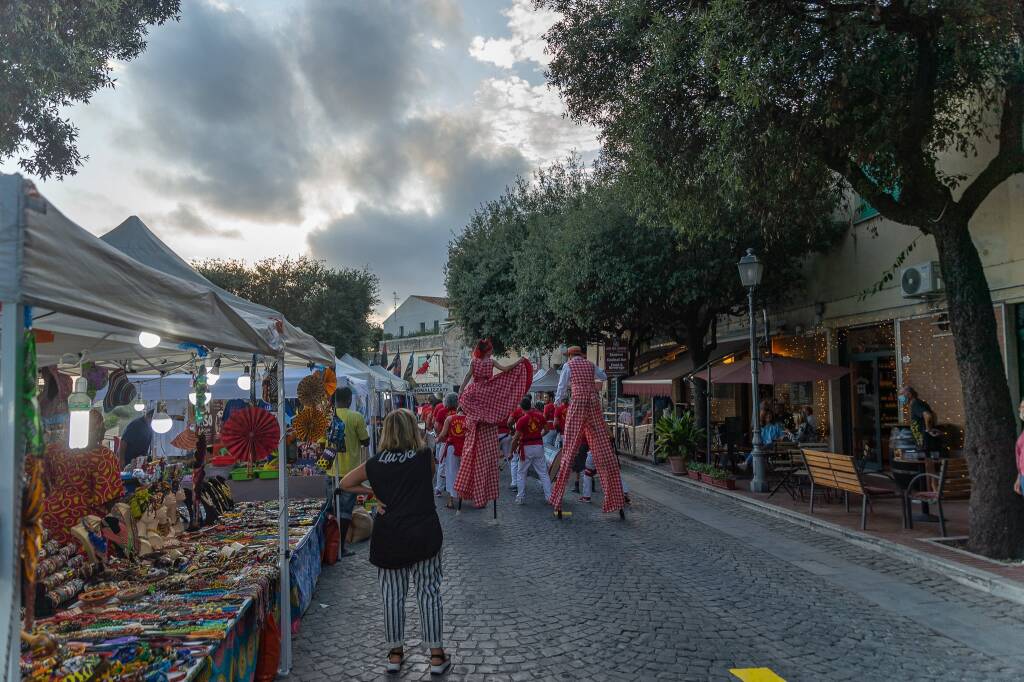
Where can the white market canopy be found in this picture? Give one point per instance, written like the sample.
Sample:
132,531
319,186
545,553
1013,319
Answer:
545,381
133,238
93,297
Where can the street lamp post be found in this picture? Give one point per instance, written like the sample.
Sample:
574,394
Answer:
751,269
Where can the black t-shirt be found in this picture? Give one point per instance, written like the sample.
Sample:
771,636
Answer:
137,438
408,531
917,410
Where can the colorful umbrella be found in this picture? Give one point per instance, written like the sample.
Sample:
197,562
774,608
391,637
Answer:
250,434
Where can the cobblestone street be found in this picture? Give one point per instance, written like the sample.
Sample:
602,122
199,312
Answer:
687,588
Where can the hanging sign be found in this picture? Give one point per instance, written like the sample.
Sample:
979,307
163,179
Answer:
616,359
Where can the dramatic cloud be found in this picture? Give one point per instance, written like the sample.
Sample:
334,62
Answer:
527,26
185,219
219,101
452,166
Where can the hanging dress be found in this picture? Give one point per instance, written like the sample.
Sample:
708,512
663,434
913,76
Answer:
487,402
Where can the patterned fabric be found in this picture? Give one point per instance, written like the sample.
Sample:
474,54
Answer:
486,402
80,483
585,420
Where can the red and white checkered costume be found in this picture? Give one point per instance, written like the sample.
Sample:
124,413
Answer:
487,402
585,420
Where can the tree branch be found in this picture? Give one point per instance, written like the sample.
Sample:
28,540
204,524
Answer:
1010,158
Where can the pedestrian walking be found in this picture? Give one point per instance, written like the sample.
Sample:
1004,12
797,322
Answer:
454,434
440,414
529,439
406,540
584,419
510,452
487,399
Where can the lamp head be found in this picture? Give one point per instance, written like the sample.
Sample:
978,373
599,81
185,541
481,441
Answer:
751,269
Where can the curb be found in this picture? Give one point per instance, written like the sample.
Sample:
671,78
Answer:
969,576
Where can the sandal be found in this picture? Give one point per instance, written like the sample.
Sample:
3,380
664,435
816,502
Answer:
392,666
442,667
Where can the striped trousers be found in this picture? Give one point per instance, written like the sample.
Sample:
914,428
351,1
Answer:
394,584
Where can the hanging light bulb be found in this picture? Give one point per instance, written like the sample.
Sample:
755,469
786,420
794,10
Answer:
244,381
149,339
192,397
213,372
161,421
139,405
79,404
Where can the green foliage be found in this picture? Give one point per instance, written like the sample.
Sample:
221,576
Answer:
889,274
677,436
718,474
698,467
55,53
333,305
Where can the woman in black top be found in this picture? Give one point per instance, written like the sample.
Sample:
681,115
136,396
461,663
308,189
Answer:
406,539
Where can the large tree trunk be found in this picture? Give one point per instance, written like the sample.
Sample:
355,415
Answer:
996,512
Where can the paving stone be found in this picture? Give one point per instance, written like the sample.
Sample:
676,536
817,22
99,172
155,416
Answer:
660,596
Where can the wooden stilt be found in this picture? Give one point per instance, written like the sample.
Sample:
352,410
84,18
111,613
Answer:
495,510
622,514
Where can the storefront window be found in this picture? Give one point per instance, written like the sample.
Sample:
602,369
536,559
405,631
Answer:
813,394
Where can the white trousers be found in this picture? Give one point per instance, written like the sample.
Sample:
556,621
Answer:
534,459
505,444
588,477
451,470
439,474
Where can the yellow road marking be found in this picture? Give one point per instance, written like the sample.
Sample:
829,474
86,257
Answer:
756,675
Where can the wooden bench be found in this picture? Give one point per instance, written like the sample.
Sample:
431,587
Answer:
953,482
838,472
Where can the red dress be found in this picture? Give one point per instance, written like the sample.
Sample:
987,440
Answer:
584,421
487,402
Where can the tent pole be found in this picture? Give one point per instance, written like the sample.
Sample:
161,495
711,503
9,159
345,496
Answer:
284,554
12,445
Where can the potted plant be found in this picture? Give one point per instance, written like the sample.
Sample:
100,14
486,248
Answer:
719,478
677,437
694,470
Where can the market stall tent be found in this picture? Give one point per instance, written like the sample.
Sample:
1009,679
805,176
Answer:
545,381
135,239
86,295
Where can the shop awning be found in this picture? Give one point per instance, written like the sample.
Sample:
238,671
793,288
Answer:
778,369
134,239
658,381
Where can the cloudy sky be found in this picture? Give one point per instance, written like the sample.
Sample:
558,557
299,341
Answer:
359,131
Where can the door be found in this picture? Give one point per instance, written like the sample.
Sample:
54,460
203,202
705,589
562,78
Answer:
874,407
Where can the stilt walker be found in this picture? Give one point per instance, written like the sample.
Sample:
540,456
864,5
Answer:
584,420
487,399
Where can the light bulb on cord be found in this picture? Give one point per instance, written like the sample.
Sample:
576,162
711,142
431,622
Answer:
192,397
138,404
213,372
79,404
161,422
244,381
149,339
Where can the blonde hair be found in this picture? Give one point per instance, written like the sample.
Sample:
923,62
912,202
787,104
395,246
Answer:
400,432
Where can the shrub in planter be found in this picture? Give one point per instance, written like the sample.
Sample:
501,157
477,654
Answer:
696,470
677,437
720,478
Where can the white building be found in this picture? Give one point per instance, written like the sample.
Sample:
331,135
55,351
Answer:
417,315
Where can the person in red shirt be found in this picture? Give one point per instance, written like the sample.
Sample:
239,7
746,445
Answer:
454,435
507,449
529,438
451,402
549,423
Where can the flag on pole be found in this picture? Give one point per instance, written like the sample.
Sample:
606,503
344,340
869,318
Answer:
384,355
396,365
425,367
408,368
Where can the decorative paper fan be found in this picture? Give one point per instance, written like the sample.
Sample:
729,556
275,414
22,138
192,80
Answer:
310,424
310,390
330,382
186,440
250,434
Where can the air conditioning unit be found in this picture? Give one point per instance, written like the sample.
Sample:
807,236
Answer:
921,280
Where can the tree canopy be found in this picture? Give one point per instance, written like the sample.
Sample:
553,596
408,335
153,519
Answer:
768,100
55,53
569,257
332,304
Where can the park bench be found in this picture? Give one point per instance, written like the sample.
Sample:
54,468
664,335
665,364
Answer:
953,482
839,472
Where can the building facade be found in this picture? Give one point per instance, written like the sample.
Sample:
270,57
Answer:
416,316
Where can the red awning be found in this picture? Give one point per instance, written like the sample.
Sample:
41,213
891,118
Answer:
658,381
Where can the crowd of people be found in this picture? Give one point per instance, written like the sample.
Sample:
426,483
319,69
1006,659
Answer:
455,447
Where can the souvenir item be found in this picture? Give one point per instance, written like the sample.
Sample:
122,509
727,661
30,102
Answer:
310,391
250,434
95,376
57,386
270,385
310,424
120,391
186,440
330,379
